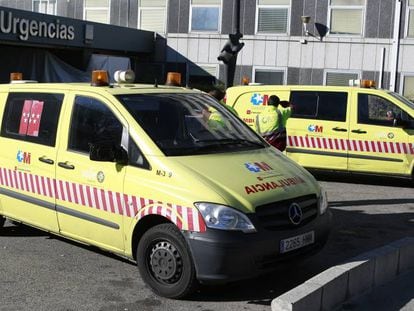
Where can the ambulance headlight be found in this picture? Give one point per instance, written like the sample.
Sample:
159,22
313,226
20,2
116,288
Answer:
323,202
224,218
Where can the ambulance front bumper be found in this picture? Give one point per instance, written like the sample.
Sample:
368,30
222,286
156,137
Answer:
224,256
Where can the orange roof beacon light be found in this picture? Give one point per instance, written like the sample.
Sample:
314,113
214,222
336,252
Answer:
16,76
100,78
245,80
362,83
124,76
173,79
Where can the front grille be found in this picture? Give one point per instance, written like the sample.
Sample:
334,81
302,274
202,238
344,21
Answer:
275,216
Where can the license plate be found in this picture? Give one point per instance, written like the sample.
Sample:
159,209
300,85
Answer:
296,242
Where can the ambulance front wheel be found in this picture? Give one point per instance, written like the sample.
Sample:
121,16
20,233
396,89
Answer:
2,220
165,262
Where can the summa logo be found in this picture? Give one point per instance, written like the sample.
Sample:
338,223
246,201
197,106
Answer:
315,128
257,167
23,157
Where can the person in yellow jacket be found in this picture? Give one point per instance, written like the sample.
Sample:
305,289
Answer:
219,95
271,123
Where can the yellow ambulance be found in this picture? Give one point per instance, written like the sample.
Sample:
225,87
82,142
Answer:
351,129
138,171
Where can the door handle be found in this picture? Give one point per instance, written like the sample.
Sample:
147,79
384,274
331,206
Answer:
340,129
46,160
358,131
66,165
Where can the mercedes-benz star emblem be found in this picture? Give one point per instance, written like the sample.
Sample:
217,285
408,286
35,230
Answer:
295,213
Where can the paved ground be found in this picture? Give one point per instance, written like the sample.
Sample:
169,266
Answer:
43,272
396,295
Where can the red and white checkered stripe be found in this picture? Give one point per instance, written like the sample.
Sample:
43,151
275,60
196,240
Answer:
185,218
350,145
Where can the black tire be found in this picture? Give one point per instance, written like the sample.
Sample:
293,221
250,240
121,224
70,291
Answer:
2,220
165,262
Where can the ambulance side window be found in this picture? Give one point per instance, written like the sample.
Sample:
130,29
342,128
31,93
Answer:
376,110
92,122
135,156
329,106
32,117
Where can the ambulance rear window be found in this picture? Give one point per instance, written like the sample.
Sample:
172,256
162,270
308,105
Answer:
32,117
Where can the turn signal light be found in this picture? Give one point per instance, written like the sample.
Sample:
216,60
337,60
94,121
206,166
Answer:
100,78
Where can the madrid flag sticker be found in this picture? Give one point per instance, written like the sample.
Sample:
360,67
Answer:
30,119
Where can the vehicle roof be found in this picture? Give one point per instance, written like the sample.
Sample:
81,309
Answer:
114,89
267,87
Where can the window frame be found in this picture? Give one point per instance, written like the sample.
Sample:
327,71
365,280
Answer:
270,69
272,6
326,71
141,8
51,142
347,7
47,5
219,22
402,85
108,9
407,18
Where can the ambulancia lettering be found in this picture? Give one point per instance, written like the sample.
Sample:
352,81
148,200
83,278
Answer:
271,185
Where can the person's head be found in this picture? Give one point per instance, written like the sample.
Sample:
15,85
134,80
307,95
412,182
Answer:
217,94
284,103
273,101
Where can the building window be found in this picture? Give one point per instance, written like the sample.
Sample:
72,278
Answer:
272,16
269,76
340,78
202,76
346,17
205,15
408,89
44,6
96,11
152,15
410,31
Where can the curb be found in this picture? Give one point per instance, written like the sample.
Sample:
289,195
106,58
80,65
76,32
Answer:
353,278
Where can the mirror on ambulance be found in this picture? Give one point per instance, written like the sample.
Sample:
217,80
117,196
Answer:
107,152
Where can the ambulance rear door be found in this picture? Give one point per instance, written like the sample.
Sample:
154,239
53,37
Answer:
378,144
318,128
90,193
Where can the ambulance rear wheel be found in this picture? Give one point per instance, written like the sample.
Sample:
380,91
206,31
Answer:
165,262
2,220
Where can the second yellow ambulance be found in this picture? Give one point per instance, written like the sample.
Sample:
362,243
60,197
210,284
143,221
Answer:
353,129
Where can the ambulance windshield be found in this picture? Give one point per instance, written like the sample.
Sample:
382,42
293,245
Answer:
403,99
189,124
